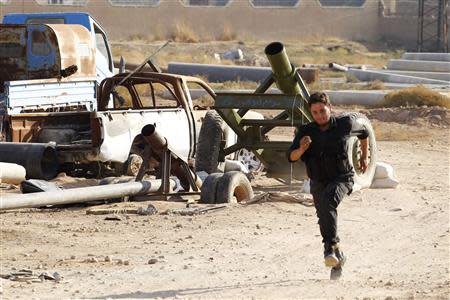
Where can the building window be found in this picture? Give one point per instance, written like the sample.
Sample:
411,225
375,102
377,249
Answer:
62,2
215,3
274,3
342,3
135,3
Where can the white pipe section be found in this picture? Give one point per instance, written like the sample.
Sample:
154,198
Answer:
394,78
426,56
444,76
78,195
11,173
418,65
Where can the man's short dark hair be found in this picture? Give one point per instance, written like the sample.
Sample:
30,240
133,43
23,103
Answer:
318,97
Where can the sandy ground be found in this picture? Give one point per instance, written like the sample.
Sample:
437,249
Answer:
396,240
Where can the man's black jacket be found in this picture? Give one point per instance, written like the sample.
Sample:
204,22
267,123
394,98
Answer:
327,156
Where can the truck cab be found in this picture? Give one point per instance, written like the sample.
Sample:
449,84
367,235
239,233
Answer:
103,56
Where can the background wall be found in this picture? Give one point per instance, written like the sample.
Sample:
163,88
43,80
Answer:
375,20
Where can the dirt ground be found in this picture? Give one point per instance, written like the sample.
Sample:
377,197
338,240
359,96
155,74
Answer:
396,240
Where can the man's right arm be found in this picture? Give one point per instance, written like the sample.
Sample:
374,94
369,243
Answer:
299,146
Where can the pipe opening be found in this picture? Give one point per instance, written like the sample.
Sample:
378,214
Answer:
148,130
49,163
274,48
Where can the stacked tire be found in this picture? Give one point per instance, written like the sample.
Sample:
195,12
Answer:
230,187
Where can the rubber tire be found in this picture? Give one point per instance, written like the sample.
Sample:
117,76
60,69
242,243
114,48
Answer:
208,190
363,180
233,187
208,145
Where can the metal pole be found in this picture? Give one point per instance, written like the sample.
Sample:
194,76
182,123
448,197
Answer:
78,195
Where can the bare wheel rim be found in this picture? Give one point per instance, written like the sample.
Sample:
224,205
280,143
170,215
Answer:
249,160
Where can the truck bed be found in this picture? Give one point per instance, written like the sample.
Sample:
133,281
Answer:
71,131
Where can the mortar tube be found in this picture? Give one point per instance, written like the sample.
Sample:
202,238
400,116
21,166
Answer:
283,71
158,144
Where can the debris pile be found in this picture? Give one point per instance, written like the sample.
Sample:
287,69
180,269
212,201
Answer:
28,276
281,197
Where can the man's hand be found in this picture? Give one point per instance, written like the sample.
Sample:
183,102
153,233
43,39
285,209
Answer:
363,164
305,142
304,145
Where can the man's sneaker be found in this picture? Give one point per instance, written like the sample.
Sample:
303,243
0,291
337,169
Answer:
334,256
329,255
340,256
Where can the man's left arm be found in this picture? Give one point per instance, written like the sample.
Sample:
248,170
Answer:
359,130
364,159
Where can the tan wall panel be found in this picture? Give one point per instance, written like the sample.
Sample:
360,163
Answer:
309,18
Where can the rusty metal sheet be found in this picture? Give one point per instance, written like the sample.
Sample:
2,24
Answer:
76,48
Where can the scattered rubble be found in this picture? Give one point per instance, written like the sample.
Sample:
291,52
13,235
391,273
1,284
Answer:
28,276
303,199
192,211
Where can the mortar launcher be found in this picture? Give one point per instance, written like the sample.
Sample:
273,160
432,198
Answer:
292,105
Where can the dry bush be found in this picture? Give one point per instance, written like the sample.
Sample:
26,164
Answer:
351,78
184,32
415,96
374,85
228,34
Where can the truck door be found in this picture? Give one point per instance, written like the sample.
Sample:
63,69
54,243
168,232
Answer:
103,57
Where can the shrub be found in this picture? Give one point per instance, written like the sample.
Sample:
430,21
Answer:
416,96
183,32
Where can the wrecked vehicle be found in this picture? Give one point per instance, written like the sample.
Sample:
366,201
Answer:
50,67
109,138
50,93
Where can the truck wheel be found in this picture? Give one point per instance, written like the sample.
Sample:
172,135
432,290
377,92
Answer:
208,145
208,190
354,152
233,187
249,159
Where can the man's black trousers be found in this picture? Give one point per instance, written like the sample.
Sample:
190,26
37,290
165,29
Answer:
327,197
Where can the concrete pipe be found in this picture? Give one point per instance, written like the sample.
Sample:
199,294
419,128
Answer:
221,73
11,173
444,76
338,67
39,160
418,65
79,195
426,56
389,77
366,98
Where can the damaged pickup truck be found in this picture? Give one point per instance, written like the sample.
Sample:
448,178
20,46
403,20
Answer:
109,139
